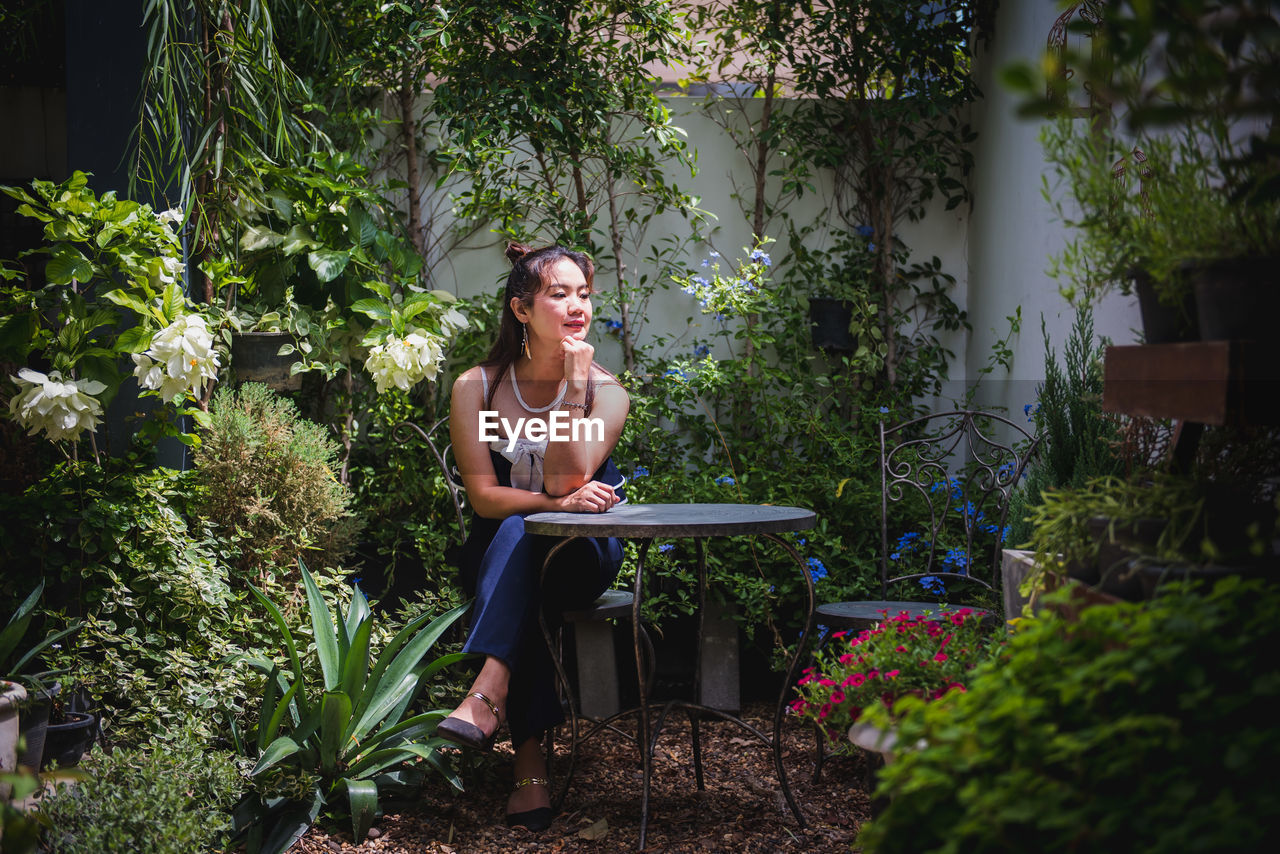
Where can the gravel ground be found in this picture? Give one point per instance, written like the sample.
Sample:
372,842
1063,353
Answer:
741,809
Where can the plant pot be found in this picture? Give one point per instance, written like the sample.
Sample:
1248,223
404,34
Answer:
1152,577
255,358
1236,298
829,322
66,742
35,725
1164,322
11,696
1118,546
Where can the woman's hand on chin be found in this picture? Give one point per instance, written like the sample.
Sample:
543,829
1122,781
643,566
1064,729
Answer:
594,497
577,355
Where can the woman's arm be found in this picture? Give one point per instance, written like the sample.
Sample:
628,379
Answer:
486,496
569,465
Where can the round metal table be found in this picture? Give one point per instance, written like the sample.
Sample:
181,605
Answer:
645,523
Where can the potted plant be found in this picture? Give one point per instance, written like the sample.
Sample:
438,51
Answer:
1100,187
903,656
1208,237
838,281
37,689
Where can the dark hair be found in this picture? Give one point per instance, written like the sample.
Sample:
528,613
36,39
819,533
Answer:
529,269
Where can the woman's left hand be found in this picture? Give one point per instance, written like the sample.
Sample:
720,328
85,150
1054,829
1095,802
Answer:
593,497
577,355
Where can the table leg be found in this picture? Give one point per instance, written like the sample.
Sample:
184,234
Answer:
560,792
642,719
790,681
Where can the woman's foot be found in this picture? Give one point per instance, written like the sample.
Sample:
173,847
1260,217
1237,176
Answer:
529,805
473,724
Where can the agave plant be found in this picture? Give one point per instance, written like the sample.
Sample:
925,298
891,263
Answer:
349,743
13,662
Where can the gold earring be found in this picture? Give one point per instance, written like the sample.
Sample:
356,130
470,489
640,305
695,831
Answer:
524,341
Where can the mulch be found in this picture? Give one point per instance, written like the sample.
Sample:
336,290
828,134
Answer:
740,810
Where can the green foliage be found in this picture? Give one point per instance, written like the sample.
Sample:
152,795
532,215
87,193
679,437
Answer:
1173,63
589,170
344,743
13,662
776,422
267,484
19,831
159,611
106,278
1106,728
173,797
1077,436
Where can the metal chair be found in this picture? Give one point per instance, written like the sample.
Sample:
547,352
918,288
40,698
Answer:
960,468
598,687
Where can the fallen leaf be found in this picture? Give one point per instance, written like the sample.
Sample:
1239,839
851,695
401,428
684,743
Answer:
595,831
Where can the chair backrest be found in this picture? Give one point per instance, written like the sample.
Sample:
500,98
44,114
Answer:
436,438
959,470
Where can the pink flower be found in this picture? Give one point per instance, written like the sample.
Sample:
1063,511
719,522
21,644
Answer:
942,656
837,698
854,680
890,674
824,711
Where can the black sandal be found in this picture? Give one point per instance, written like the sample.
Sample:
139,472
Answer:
464,734
536,819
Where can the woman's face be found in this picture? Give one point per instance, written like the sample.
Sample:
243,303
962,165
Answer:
562,307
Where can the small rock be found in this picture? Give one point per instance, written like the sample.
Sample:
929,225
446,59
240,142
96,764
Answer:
374,833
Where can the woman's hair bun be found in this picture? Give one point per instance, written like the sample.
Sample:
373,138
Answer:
516,251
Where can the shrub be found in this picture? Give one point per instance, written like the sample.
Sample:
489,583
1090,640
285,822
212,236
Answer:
172,799
268,485
1119,727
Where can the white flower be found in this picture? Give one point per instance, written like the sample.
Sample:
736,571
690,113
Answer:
403,362
62,409
173,216
452,320
181,357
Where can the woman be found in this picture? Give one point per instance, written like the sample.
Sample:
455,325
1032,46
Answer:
541,368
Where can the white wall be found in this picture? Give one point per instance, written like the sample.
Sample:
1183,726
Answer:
942,233
1011,229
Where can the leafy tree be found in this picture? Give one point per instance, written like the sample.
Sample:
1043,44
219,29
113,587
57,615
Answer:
889,80
552,115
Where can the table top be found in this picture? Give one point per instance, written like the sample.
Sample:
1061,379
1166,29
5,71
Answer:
649,521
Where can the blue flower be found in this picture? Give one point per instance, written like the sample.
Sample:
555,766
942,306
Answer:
865,230
871,247
612,325
676,372
700,282
706,262
761,257
714,254
639,471
725,479
666,547
801,540
701,350
955,560
816,569
884,410
933,585
906,542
